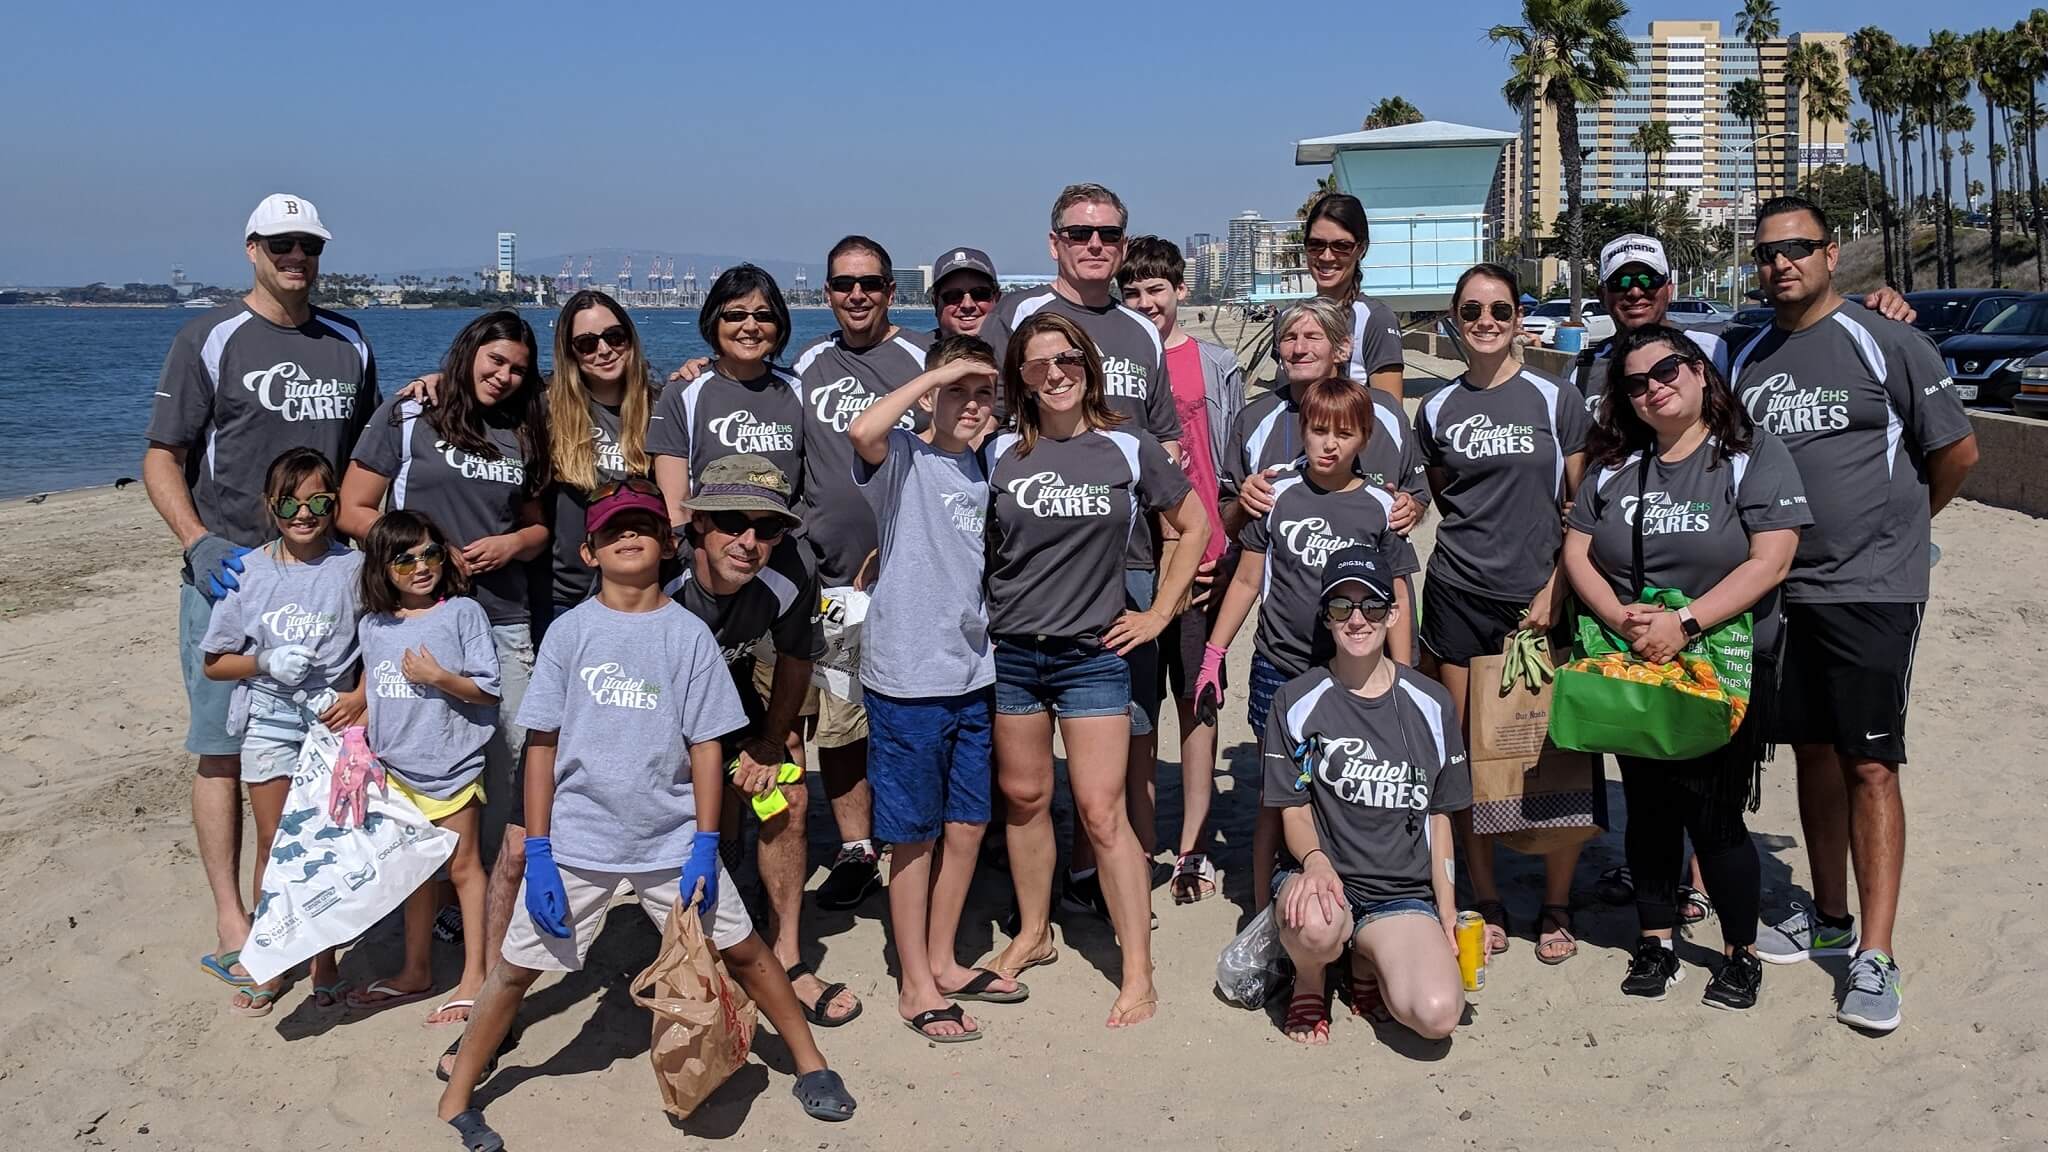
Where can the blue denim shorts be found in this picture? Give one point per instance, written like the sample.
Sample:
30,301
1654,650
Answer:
1364,912
1266,680
206,701
928,763
271,742
1075,678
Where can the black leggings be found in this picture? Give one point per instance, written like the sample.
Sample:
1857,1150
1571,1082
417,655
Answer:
1704,798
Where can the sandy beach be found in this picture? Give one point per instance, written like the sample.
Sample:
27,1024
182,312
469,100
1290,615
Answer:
112,1037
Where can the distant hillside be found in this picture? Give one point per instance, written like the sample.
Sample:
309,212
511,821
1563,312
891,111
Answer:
1862,266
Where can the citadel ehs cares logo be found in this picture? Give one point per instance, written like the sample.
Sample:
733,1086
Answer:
608,685
1046,494
1478,437
968,514
836,404
292,624
503,470
392,684
741,431
293,393
1123,376
1663,516
1358,775
1313,540
1784,408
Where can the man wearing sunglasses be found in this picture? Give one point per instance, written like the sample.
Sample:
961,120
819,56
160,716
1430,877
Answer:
242,384
841,375
1866,408
964,293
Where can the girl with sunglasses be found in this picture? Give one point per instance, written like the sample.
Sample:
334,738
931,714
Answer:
1504,447
742,403
600,403
1364,765
432,669
1716,507
1335,237
288,634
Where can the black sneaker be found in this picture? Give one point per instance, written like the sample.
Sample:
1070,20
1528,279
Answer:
1653,969
1736,985
855,876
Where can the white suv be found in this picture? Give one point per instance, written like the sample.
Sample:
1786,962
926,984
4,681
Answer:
1540,323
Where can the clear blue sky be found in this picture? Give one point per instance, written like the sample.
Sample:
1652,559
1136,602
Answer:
140,134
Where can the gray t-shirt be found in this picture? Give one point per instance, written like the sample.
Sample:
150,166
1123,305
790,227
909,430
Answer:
927,628
781,601
1701,514
1860,401
1375,340
570,579
431,740
237,391
1061,518
1592,368
838,384
629,693
713,417
1308,524
1377,770
1267,434
468,496
288,602
1503,451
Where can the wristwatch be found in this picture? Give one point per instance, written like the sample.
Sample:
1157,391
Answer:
1691,626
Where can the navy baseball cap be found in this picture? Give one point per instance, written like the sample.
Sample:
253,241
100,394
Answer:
1364,564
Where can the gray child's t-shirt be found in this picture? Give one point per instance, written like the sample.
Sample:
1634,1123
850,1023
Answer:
927,628
290,602
431,740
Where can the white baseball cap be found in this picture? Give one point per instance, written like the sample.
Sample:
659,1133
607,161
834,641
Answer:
1634,248
282,214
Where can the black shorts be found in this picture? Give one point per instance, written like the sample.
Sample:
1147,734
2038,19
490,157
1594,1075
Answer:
1460,627
1845,678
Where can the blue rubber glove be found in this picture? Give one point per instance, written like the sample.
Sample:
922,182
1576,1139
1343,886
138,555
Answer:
546,901
214,562
702,865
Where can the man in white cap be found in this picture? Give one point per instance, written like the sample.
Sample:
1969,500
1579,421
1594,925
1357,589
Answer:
243,383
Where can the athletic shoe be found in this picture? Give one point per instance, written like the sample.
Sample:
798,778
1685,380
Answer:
855,876
1801,936
1653,969
1736,985
1872,1001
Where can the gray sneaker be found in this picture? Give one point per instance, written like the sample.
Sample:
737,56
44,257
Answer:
1801,936
1872,1001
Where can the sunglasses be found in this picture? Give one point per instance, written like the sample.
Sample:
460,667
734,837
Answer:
980,294
766,529
1337,609
1620,283
586,343
1471,310
611,488
1316,247
1663,372
1037,372
1796,249
761,316
318,504
283,245
1079,233
406,563
872,285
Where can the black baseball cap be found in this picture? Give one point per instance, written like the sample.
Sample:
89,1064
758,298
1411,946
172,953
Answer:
962,260
1364,564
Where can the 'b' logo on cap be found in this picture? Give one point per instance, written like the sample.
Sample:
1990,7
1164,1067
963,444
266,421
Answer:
291,207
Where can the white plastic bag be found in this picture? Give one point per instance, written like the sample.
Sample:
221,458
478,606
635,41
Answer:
324,885
843,610
1253,965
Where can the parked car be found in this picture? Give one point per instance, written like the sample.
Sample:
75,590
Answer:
1954,311
1986,364
1540,323
1754,317
1977,219
1692,311
2032,398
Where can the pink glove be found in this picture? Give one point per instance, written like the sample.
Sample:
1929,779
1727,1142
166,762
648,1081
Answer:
354,772
1209,685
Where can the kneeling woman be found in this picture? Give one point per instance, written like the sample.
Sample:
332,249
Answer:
1365,761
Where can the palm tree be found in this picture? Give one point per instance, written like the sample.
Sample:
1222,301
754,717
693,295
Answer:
1566,54
1947,82
2032,34
1747,103
1803,72
1325,185
1827,103
1870,51
1988,49
1392,112
1860,132
1966,149
1654,140
1757,24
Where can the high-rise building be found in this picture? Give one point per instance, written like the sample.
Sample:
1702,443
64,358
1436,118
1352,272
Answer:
1241,254
1683,75
508,259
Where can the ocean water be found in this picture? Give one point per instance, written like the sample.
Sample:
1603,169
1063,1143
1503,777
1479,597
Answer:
76,383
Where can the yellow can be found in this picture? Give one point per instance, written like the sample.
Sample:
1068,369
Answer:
1472,950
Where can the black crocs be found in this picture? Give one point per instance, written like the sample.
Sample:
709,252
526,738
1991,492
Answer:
822,1093
477,1136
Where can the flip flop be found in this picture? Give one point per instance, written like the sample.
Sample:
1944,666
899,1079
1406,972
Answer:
222,968
977,989
1558,918
261,1001
817,1011
391,997
823,1095
477,1136
451,1005
334,994
950,1014
1052,956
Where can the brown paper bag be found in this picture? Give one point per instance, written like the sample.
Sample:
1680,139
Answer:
1534,795
703,1021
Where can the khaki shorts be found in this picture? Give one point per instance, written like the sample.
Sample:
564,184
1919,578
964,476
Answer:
839,722
590,893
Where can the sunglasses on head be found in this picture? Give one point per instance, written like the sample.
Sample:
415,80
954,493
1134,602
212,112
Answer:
1337,609
1796,249
586,343
283,245
1471,310
765,528
763,316
872,285
1621,282
1079,233
1663,372
1037,372
1315,247
611,488
980,294
431,555
318,504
